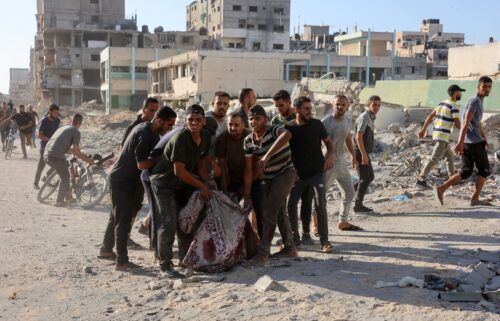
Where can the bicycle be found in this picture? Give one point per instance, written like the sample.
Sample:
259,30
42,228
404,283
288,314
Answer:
87,182
9,143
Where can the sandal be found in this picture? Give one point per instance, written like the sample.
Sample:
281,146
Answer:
351,227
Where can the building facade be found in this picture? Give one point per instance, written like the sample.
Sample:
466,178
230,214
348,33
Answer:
19,86
472,62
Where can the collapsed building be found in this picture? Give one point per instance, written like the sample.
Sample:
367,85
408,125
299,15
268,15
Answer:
19,86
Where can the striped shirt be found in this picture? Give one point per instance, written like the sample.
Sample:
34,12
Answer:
446,113
279,162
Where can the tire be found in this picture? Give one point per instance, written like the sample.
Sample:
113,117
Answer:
90,191
48,188
8,148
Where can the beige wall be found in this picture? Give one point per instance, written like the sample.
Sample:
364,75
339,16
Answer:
473,62
352,49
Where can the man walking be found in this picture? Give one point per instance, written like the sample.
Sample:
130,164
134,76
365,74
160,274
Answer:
444,116
364,142
307,135
65,139
472,145
126,188
48,127
24,123
35,119
338,127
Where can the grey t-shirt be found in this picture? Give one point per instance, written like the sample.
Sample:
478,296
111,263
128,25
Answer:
338,130
475,106
365,124
61,141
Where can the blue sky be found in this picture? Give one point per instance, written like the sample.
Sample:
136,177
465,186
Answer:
479,20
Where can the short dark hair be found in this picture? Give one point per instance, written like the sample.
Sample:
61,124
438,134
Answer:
372,99
237,115
53,107
195,109
149,100
244,94
21,106
281,95
165,113
341,96
77,118
485,80
297,103
222,94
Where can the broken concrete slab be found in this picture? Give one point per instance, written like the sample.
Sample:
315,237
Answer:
265,283
477,278
493,285
461,296
492,257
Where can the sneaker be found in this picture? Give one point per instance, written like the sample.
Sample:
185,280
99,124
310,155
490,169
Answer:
285,252
61,204
422,183
35,186
326,247
307,239
362,209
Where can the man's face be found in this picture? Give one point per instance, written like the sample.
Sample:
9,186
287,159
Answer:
149,111
30,108
457,95
484,89
251,99
258,123
235,127
283,106
340,106
54,114
22,109
374,106
166,125
195,122
305,111
220,106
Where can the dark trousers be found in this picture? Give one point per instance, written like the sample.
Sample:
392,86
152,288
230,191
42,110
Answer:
276,192
4,132
61,167
258,195
366,176
317,184
41,166
126,198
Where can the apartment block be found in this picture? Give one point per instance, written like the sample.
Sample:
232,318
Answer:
19,86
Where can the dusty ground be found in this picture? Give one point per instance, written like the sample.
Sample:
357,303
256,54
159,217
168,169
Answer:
44,251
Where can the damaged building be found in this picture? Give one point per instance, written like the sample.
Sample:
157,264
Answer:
70,37
19,86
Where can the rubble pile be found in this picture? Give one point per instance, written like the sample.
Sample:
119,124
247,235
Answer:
91,106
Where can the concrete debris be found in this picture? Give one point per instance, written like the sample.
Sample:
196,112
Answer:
404,282
265,283
394,128
493,285
475,280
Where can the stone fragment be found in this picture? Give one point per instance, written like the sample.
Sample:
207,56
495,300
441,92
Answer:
264,284
493,285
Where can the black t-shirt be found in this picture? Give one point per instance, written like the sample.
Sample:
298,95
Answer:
22,119
138,145
48,127
305,144
136,122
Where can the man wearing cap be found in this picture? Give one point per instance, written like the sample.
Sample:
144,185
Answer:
472,145
268,157
445,116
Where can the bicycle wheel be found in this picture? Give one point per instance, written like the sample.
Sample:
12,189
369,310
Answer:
49,188
91,188
8,148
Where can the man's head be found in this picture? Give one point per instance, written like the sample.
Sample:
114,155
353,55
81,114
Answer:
149,108
77,120
220,104
373,104
54,111
247,97
258,118
195,118
340,105
303,108
484,87
283,102
163,120
30,107
22,109
455,92
235,125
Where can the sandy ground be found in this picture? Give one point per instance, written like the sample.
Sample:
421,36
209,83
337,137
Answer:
44,251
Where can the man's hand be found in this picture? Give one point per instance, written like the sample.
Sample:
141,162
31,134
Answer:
422,133
365,160
205,192
217,170
459,149
247,203
328,163
91,161
354,163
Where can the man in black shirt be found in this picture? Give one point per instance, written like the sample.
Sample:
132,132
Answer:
35,119
24,123
308,159
125,185
4,123
48,127
149,109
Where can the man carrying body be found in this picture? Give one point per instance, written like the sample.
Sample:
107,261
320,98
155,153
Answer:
35,119
444,116
472,145
308,159
125,185
247,100
173,181
48,127
24,123
268,157
364,142
149,108
65,139
338,127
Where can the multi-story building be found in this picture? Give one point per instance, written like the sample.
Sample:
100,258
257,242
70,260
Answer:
70,37
260,25
19,89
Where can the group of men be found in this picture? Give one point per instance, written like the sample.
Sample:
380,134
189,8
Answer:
23,120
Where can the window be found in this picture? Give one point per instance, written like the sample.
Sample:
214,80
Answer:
262,27
498,67
278,46
120,69
253,9
413,69
256,46
239,45
278,28
231,45
187,40
250,26
95,57
218,27
242,23
170,38
141,70
94,18
236,8
94,1
398,70
279,10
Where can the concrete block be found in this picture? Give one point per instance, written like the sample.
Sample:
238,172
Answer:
493,285
264,284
